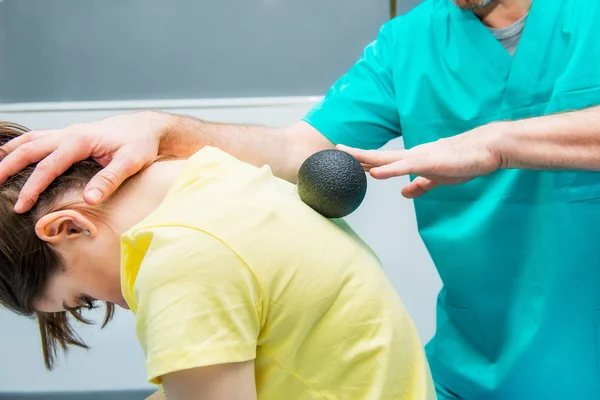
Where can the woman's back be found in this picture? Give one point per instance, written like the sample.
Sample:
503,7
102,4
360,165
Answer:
233,267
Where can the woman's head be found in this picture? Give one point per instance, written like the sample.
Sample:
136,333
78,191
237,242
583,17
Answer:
58,258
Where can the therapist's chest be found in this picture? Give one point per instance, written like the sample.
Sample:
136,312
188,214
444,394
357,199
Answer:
461,77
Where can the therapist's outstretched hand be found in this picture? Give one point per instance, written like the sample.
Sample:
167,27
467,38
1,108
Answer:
123,145
447,161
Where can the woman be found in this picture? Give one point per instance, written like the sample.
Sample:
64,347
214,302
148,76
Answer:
240,291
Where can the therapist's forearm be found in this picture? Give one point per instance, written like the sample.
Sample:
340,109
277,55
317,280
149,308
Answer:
185,135
567,141
283,149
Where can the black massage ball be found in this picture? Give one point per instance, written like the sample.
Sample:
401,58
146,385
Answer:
332,182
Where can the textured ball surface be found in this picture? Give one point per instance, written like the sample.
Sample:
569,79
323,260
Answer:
332,182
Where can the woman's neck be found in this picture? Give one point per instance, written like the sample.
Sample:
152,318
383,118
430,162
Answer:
503,13
142,195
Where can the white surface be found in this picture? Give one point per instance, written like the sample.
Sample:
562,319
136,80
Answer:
162,104
385,220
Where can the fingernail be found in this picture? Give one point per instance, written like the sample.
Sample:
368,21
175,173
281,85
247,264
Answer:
94,195
19,206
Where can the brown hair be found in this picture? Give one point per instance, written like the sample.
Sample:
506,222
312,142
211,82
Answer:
27,263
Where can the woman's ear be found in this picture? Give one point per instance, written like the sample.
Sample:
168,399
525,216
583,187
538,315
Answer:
62,226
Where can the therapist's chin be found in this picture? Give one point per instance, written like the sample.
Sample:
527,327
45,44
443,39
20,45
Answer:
472,4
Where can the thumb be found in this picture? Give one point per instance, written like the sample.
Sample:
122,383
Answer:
421,185
107,181
418,187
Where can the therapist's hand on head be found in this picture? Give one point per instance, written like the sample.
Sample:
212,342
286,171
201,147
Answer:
448,161
123,145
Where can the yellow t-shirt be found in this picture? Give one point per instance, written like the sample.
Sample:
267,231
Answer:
233,266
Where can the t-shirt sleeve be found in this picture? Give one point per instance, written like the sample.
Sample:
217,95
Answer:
198,303
360,109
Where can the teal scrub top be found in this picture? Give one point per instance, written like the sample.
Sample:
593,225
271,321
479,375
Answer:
518,251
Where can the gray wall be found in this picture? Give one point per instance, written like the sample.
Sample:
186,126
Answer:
79,50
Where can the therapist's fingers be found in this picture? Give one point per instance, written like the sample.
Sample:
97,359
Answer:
23,155
409,166
374,157
367,167
8,147
8,163
46,170
26,137
125,163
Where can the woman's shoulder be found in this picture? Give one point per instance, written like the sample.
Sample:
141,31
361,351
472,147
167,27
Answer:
154,254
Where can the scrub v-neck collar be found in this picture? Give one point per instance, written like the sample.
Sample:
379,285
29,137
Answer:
519,72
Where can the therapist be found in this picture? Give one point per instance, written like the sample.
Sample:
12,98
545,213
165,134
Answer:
478,89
